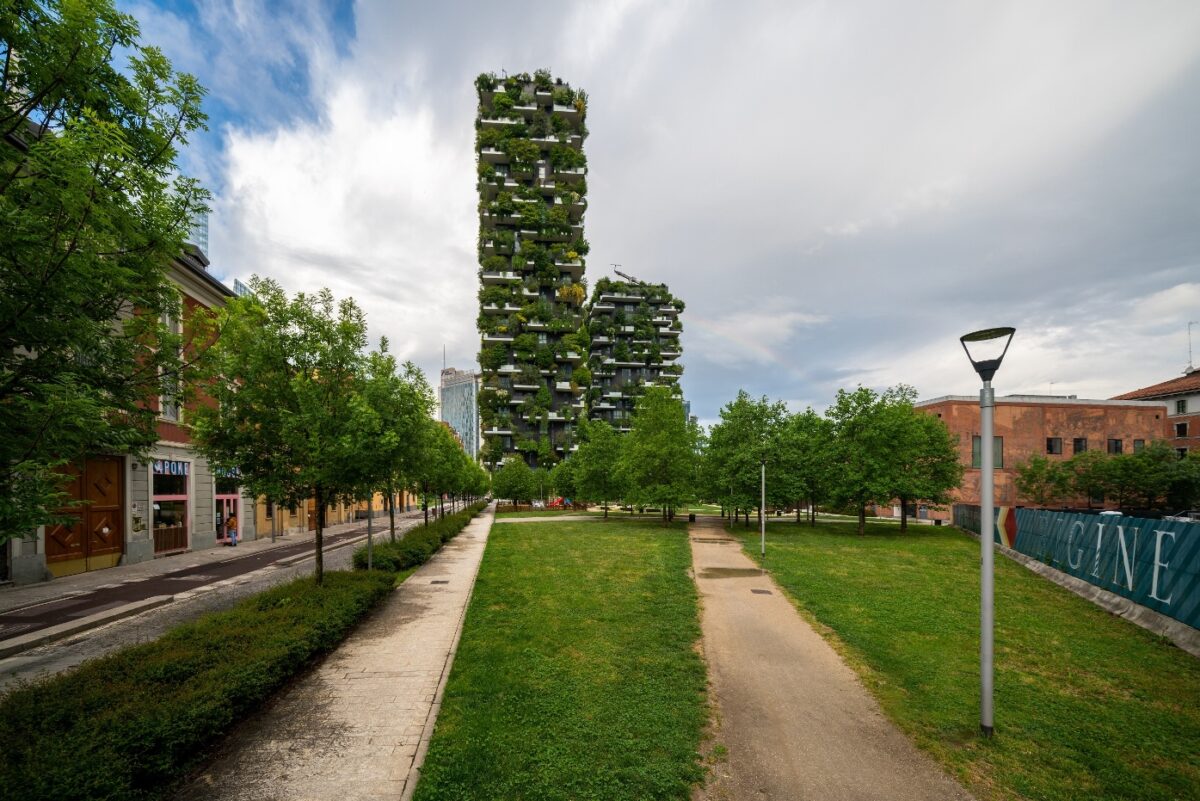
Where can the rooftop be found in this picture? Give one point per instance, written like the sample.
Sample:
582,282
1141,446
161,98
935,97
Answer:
1048,400
1185,384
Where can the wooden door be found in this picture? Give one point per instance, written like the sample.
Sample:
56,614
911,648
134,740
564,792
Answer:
105,512
65,540
97,528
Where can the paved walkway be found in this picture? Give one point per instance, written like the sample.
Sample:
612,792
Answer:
358,725
795,719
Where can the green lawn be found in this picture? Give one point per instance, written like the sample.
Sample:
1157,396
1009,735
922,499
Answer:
1087,705
576,677
546,513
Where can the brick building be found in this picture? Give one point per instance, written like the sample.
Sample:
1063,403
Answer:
1181,427
1041,425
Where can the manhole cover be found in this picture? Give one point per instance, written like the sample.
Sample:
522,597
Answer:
760,592
440,581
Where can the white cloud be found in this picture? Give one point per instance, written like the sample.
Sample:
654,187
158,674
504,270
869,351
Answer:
371,202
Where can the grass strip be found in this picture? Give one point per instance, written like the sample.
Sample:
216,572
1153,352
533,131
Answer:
1087,704
576,677
131,724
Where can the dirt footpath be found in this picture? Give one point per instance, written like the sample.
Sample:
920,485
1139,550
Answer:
795,720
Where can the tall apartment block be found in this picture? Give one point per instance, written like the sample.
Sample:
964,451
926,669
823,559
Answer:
458,395
635,329
532,198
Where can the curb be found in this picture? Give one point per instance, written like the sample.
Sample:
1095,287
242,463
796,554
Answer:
414,771
23,642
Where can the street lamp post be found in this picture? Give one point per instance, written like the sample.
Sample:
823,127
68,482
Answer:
989,347
762,514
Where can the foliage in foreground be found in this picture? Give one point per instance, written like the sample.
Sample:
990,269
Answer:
418,544
94,210
576,676
1087,705
130,724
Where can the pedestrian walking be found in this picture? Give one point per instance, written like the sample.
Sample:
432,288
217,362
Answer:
231,530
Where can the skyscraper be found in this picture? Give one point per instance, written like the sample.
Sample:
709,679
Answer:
458,395
532,198
635,329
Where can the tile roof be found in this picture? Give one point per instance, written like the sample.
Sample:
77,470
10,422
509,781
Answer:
1176,386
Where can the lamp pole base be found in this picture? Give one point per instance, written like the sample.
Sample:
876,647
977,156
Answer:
987,731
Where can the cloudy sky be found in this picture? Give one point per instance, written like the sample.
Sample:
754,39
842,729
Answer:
838,190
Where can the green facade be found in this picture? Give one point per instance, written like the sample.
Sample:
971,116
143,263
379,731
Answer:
635,331
532,198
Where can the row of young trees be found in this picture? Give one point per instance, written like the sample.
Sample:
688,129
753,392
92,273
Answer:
301,409
868,448
1151,478
655,464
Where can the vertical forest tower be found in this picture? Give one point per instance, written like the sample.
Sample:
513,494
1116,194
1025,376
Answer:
532,198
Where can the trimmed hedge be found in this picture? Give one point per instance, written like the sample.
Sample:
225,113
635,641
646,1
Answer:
418,544
131,724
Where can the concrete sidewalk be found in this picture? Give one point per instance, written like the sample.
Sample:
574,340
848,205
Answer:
357,726
795,719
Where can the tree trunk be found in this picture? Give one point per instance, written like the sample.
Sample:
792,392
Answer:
606,510
370,531
391,511
746,518
903,515
798,502
319,539
862,519
425,501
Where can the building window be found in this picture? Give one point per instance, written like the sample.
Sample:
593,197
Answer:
1181,429
1079,445
1054,445
169,401
1181,453
1116,446
1181,406
997,451
270,510
1138,444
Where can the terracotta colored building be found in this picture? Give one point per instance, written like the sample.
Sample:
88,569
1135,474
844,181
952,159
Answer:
1182,395
1041,425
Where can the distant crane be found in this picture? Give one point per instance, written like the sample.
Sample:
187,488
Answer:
626,276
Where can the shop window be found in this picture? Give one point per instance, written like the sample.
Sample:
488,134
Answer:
997,451
170,505
1116,446
1054,445
1181,429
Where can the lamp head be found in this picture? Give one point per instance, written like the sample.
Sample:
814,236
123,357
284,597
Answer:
986,349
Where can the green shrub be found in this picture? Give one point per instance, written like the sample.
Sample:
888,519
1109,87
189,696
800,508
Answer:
418,544
130,724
